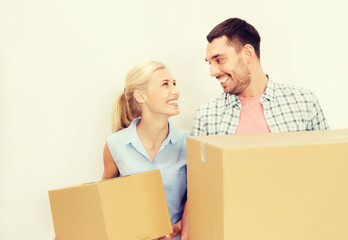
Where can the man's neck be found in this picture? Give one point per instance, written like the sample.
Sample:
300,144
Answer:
258,84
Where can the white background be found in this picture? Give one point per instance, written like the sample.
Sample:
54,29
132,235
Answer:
62,62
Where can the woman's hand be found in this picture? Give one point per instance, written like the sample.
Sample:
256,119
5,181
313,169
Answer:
176,232
180,228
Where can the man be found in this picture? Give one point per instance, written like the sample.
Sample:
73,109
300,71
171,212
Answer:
251,102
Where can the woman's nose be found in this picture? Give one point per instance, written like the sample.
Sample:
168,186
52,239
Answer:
176,91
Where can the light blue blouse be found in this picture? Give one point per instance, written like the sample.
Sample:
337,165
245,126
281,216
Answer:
131,157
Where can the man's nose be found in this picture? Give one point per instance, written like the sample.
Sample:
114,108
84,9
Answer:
214,70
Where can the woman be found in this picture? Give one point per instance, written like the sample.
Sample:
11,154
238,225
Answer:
144,140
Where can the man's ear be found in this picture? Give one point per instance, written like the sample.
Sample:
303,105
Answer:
248,53
139,96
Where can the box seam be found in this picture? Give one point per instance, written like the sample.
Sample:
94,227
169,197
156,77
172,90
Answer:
103,212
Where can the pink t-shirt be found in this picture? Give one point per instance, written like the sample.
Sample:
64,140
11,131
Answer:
252,118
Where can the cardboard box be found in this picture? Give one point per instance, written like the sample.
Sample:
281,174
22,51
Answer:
130,207
268,186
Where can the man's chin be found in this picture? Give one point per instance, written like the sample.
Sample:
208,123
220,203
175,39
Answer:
227,90
230,91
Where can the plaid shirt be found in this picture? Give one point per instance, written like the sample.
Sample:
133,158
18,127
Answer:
286,109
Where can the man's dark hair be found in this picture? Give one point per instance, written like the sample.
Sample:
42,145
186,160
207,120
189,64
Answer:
238,32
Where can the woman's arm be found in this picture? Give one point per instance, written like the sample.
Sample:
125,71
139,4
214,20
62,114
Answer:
110,168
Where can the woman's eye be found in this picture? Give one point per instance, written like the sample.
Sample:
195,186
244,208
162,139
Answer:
165,84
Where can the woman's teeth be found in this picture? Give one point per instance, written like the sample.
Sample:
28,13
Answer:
173,102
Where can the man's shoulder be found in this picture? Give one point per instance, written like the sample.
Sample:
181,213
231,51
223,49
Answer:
214,102
289,90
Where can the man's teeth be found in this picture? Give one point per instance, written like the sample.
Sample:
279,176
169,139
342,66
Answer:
224,79
173,102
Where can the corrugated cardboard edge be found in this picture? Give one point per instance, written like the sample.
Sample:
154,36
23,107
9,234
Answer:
197,203
276,139
103,210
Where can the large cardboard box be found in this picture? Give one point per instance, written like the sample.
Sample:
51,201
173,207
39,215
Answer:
268,186
131,207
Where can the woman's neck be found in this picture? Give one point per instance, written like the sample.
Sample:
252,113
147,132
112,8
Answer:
152,133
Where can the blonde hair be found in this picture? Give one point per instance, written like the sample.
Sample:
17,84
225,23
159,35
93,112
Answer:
126,108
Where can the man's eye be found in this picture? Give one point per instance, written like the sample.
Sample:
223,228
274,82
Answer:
174,83
218,60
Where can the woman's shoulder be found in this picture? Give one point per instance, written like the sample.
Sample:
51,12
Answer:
120,135
179,132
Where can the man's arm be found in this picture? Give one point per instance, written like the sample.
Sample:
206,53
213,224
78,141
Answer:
199,126
318,119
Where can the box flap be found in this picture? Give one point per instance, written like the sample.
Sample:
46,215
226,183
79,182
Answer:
135,206
275,139
205,191
77,213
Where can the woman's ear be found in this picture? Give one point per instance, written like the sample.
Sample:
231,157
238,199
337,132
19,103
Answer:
139,96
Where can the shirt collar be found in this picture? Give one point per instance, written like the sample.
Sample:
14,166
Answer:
131,132
270,91
172,137
231,99
131,135
269,94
